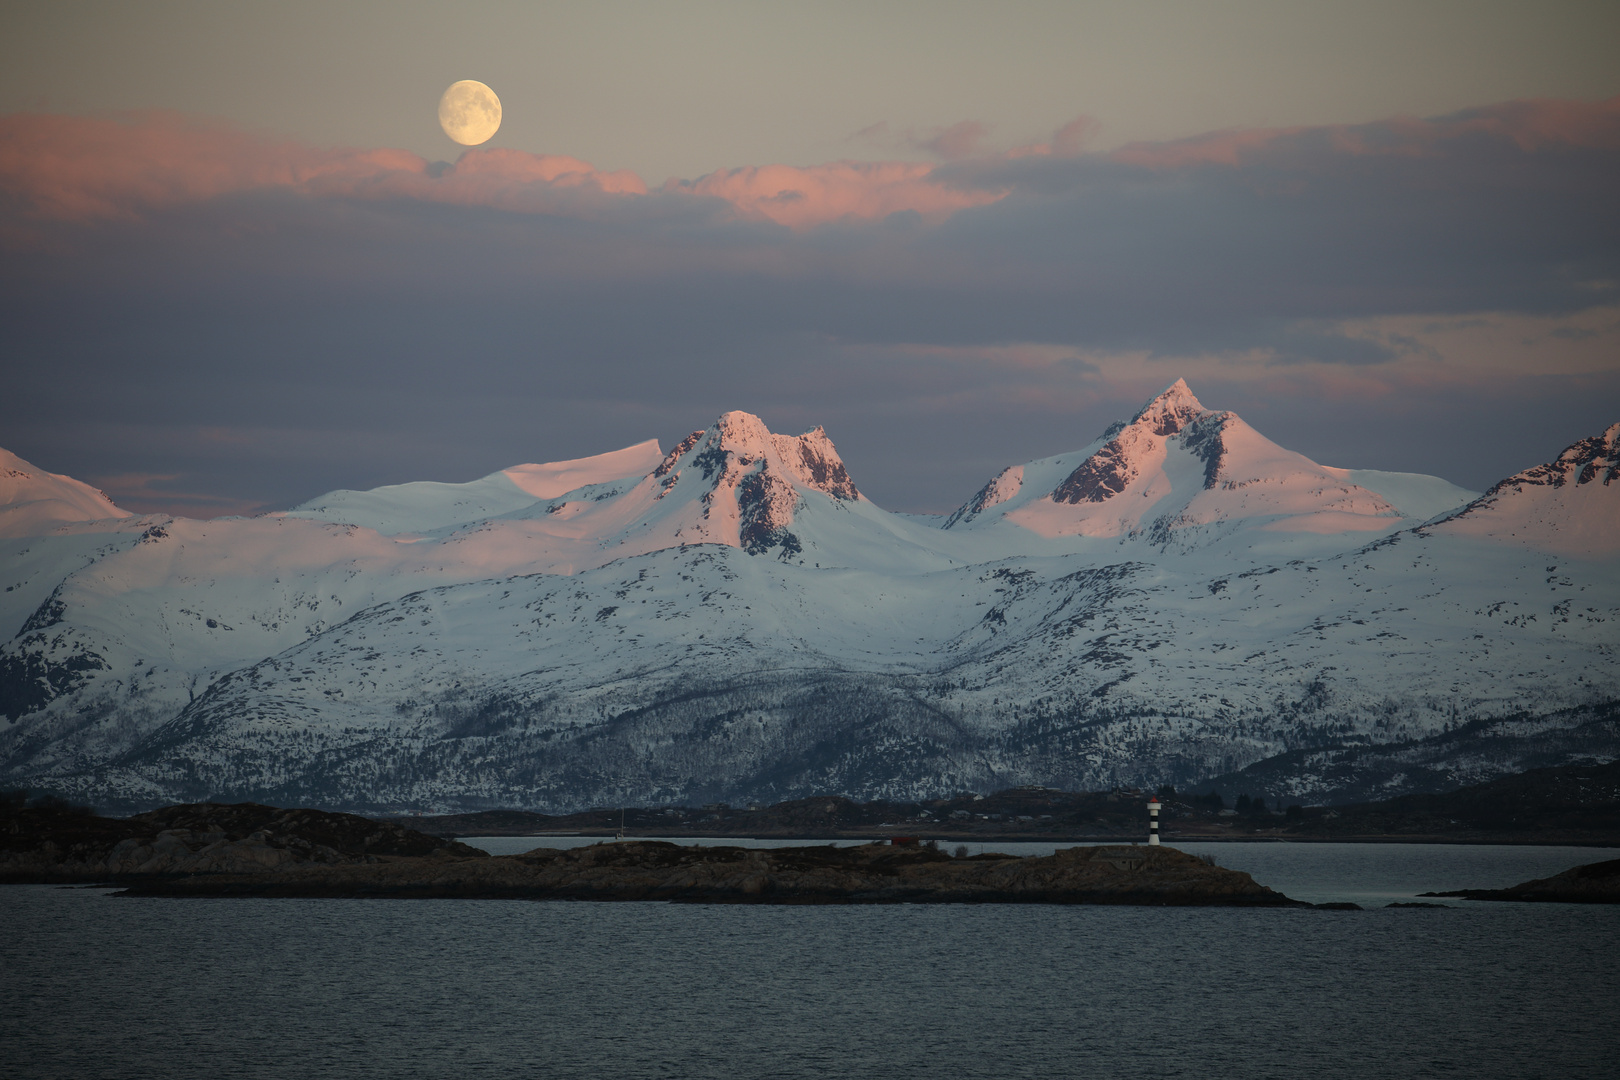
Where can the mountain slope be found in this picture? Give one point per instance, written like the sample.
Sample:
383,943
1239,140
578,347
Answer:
136,624
1569,506
704,673
1178,599
1181,477
33,501
426,506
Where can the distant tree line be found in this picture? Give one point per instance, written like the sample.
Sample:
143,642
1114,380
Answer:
1212,802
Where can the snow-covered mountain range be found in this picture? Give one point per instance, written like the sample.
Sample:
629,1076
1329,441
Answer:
1178,599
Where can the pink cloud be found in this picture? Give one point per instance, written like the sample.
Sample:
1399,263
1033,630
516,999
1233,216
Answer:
842,190
88,168
85,168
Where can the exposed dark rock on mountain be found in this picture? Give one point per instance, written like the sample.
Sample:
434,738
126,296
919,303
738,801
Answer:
1596,458
1099,478
682,448
1110,470
1179,599
1204,439
1003,486
1341,773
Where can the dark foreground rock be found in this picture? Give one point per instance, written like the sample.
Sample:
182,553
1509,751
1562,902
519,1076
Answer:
869,874
1593,883
57,844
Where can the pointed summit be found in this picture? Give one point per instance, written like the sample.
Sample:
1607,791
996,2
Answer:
1135,447
1180,474
747,482
1173,409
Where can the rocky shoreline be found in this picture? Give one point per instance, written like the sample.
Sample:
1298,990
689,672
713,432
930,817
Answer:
247,849
1593,883
69,845
1568,805
869,874
250,850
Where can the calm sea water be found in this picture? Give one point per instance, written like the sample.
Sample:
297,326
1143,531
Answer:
98,986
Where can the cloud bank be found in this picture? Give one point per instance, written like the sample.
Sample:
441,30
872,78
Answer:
366,316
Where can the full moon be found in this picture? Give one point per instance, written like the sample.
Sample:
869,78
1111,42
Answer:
470,112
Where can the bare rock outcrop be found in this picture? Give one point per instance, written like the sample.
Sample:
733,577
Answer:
1591,883
56,844
868,874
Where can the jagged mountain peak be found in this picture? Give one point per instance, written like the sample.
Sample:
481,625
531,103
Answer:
1183,475
618,637
1128,447
742,432
740,441
815,461
1172,409
1594,458
1567,506
737,482
1133,447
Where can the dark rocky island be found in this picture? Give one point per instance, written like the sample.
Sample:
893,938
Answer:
1593,883
248,850
869,874
57,843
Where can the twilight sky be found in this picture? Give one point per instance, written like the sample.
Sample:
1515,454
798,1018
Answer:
240,264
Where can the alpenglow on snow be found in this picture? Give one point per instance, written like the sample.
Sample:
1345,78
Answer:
1178,599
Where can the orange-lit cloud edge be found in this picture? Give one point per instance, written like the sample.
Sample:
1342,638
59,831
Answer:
90,168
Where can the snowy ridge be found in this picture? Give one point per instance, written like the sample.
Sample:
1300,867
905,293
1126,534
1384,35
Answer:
733,619
1003,486
33,502
1569,506
1415,495
426,506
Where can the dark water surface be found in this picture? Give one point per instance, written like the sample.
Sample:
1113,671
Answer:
97,986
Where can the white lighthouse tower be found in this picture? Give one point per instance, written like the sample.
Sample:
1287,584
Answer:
1153,821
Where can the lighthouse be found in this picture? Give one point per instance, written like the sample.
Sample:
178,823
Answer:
1153,822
